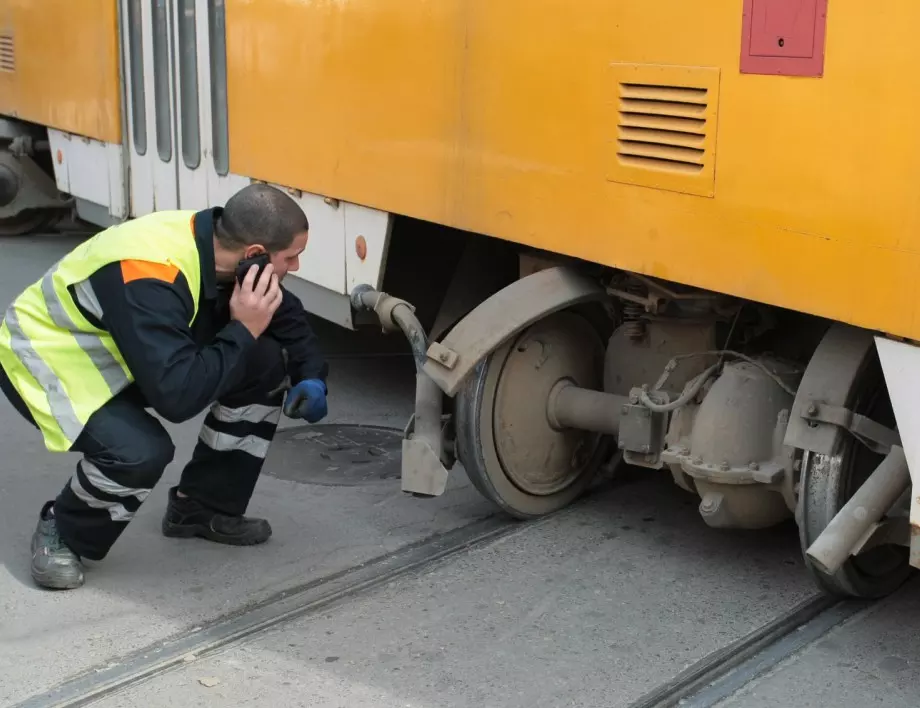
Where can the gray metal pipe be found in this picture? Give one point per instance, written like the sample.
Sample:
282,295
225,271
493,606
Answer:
570,406
394,313
867,506
422,469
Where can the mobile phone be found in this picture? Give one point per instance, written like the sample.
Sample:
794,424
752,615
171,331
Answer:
261,260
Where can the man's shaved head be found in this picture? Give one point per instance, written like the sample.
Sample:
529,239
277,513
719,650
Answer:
263,215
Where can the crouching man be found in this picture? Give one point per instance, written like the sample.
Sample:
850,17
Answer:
160,313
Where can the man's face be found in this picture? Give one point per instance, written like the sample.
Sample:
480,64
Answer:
287,260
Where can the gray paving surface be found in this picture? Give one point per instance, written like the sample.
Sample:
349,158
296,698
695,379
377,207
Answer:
591,608
872,660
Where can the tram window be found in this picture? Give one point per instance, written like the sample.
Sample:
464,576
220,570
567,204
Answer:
136,72
188,84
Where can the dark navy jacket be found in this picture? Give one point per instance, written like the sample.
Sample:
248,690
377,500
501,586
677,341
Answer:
181,370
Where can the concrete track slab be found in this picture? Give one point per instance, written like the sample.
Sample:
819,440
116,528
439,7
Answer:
591,608
872,660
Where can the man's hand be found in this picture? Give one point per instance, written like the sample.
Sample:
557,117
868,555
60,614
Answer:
307,400
253,303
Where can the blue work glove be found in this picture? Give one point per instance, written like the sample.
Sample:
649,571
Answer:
307,400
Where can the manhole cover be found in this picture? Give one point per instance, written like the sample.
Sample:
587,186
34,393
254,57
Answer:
336,455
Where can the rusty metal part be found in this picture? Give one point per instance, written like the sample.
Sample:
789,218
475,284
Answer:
875,436
838,361
510,450
423,471
833,547
506,314
570,406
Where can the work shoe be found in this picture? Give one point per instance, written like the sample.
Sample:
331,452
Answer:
186,518
54,565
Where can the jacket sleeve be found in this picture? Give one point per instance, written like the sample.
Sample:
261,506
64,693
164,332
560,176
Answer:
148,317
290,327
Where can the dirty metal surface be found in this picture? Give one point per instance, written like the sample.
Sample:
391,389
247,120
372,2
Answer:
336,455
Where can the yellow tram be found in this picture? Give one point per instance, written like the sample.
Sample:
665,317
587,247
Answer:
682,233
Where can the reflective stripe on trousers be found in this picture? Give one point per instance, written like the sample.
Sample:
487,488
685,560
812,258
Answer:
99,482
252,444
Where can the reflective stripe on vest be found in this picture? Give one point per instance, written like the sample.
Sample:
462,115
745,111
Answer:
64,368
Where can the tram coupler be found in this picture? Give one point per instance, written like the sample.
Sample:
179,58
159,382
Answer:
861,513
424,472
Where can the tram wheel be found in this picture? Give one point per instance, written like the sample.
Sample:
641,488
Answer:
511,453
828,482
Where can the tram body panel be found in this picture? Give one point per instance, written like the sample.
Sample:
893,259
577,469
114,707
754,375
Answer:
502,119
63,66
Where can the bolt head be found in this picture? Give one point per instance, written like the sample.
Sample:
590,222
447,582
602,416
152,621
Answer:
443,356
812,409
698,460
754,466
725,467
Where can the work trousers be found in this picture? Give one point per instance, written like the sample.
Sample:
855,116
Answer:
125,450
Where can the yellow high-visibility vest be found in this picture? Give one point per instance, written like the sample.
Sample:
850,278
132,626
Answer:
65,368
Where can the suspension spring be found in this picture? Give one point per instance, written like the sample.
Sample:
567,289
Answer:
633,323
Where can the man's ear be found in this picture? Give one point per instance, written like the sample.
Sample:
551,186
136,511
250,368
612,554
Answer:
253,250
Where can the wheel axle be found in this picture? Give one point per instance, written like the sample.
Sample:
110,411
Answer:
570,406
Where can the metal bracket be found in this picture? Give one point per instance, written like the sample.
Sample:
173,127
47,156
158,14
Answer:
837,362
423,474
875,436
505,314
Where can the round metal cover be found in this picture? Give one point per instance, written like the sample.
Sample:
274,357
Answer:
336,455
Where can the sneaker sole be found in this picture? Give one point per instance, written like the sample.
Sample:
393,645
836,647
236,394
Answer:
171,530
51,583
